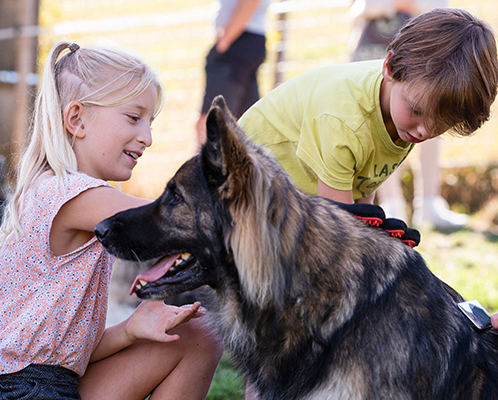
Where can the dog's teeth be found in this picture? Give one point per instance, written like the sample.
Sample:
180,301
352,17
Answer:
186,256
177,262
138,286
142,282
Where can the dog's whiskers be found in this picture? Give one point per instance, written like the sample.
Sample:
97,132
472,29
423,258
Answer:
139,261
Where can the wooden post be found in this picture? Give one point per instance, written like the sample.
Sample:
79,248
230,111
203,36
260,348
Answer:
280,47
25,60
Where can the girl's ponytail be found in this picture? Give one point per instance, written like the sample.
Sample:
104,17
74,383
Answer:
48,146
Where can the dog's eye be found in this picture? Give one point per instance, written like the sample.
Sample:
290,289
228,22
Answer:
176,199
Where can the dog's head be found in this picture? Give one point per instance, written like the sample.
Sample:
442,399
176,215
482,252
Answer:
177,230
214,211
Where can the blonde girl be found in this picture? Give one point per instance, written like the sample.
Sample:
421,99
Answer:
91,124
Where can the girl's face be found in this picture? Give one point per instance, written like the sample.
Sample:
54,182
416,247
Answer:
111,139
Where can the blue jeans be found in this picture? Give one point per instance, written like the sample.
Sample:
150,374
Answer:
40,382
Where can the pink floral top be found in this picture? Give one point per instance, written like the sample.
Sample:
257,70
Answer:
52,308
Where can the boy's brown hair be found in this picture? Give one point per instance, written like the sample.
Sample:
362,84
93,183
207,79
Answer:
453,56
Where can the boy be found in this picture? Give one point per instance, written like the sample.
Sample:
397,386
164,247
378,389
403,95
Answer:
341,130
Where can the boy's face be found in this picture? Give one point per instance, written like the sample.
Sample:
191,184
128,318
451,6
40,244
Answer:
406,106
407,109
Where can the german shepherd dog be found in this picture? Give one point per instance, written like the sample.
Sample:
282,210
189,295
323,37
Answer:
311,302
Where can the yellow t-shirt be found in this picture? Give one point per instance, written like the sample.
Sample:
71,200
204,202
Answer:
327,123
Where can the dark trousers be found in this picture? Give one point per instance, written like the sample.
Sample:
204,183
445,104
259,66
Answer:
233,73
40,382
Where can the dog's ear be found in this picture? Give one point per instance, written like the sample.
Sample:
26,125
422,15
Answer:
219,101
212,158
225,152
239,175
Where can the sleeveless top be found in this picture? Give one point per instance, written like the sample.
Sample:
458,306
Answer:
53,308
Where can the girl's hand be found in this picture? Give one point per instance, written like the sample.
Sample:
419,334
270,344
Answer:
153,319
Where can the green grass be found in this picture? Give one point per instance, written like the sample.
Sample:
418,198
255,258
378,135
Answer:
227,384
467,260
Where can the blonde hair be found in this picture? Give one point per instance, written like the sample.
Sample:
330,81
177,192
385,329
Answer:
91,75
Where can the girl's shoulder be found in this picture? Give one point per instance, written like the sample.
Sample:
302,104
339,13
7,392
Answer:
66,187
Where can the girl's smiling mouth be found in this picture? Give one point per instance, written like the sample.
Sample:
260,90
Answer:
132,154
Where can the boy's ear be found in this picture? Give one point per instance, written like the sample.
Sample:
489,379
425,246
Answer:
386,71
72,119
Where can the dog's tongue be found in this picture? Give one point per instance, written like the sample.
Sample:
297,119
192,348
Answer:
157,271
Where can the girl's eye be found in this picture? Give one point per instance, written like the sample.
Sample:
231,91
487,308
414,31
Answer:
134,118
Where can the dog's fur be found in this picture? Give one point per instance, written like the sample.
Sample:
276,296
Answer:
312,303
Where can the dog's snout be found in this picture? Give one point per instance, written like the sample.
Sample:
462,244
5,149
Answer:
101,230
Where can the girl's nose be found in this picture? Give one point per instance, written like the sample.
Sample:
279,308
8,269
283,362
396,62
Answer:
145,137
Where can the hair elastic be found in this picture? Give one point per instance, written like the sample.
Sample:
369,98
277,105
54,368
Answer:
73,47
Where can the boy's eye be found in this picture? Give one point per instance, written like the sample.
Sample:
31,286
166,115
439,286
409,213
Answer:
416,112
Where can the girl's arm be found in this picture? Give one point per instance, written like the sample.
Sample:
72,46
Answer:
73,226
151,320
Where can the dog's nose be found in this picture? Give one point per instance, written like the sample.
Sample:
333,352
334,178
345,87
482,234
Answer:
101,230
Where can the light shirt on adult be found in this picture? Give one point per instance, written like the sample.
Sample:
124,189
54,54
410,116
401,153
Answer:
256,23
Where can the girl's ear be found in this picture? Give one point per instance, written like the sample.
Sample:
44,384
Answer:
73,119
386,71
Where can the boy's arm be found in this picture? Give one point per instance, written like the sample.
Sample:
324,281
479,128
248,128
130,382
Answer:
494,320
367,200
341,196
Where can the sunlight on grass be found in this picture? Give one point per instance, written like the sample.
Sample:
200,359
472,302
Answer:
467,261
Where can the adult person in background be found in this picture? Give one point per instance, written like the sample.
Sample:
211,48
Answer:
233,61
376,23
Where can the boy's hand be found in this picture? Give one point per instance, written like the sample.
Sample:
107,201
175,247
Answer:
494,320
153,320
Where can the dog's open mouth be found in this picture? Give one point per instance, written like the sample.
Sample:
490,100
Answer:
170,269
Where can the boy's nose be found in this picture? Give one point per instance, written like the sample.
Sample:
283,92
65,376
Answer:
422,131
